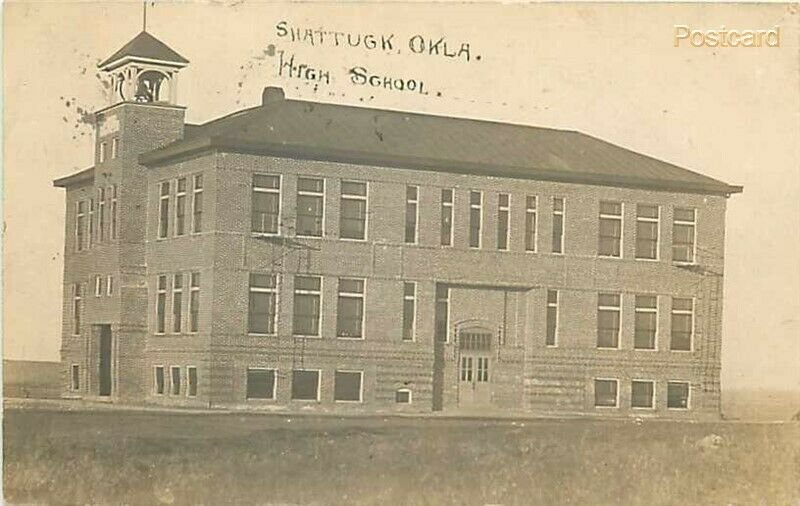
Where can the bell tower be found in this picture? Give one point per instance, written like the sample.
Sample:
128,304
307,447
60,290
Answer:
145,70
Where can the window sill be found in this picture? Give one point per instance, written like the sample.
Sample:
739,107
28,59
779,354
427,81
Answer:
256,334
300,236
352,239
683,264
652,260
606,407
347,338
678,409
261,400
644,408
305,336
348,402
607,348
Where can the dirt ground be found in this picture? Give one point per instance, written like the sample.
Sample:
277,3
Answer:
112,457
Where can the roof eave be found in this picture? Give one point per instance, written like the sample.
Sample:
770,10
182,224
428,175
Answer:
73,179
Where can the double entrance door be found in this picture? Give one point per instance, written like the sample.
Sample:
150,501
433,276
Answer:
474,368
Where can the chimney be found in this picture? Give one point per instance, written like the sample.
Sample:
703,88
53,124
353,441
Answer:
272,94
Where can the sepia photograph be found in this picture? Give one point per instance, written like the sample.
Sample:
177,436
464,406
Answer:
401,253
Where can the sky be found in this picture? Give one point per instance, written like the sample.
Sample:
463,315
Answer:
611,71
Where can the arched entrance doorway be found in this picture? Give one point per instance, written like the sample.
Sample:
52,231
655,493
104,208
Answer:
474,366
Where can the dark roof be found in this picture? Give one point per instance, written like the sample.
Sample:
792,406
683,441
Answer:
145,45
78,177
318,131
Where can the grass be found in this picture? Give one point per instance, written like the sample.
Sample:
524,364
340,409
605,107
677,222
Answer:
55,457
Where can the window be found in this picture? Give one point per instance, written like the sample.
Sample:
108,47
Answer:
98,285
552,317
310,207
605,393
180,207
263,303
482,372
80,225
158,379
175,383
101,214
266,205
307,307
113,211
110,285
608,318
114,147
503,206
163,210
409,310
610,237
350,310
77,308
353,211
402,396
412,214
177,303
191,381
347,386
677,395
646,322
647,231
558,225
642,393
475,217
91,222
442,312
305,385
197,204
683,235
466,368
530,223
103,149
75,377
194,301
682,324
446,232
261,384
161,305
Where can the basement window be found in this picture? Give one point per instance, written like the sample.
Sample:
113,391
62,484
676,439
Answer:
402,396
260,384
347,386
305,385
642,393
191,381
76,377
175,384
677,395
158,379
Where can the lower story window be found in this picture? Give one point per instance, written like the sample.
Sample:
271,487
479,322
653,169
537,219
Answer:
191,381
347,386
175,383
642,394
76,377
402,396
678,395
305,385
158,380
605,393
261,384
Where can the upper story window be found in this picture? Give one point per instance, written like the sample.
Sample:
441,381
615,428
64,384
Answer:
475,218
114,147
177,303
608,320
80,225
412,214
503,224
310,207
350,310
353,211
559,211
442,328
262,311
530,223
266,204
91,223
101,214
446,232
646,322
682,324
683,235
163,209
194,301
98,285
610,236
552,317
77,308
197,203
409,310
103,151
647,231
180,207
307,305
161,305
